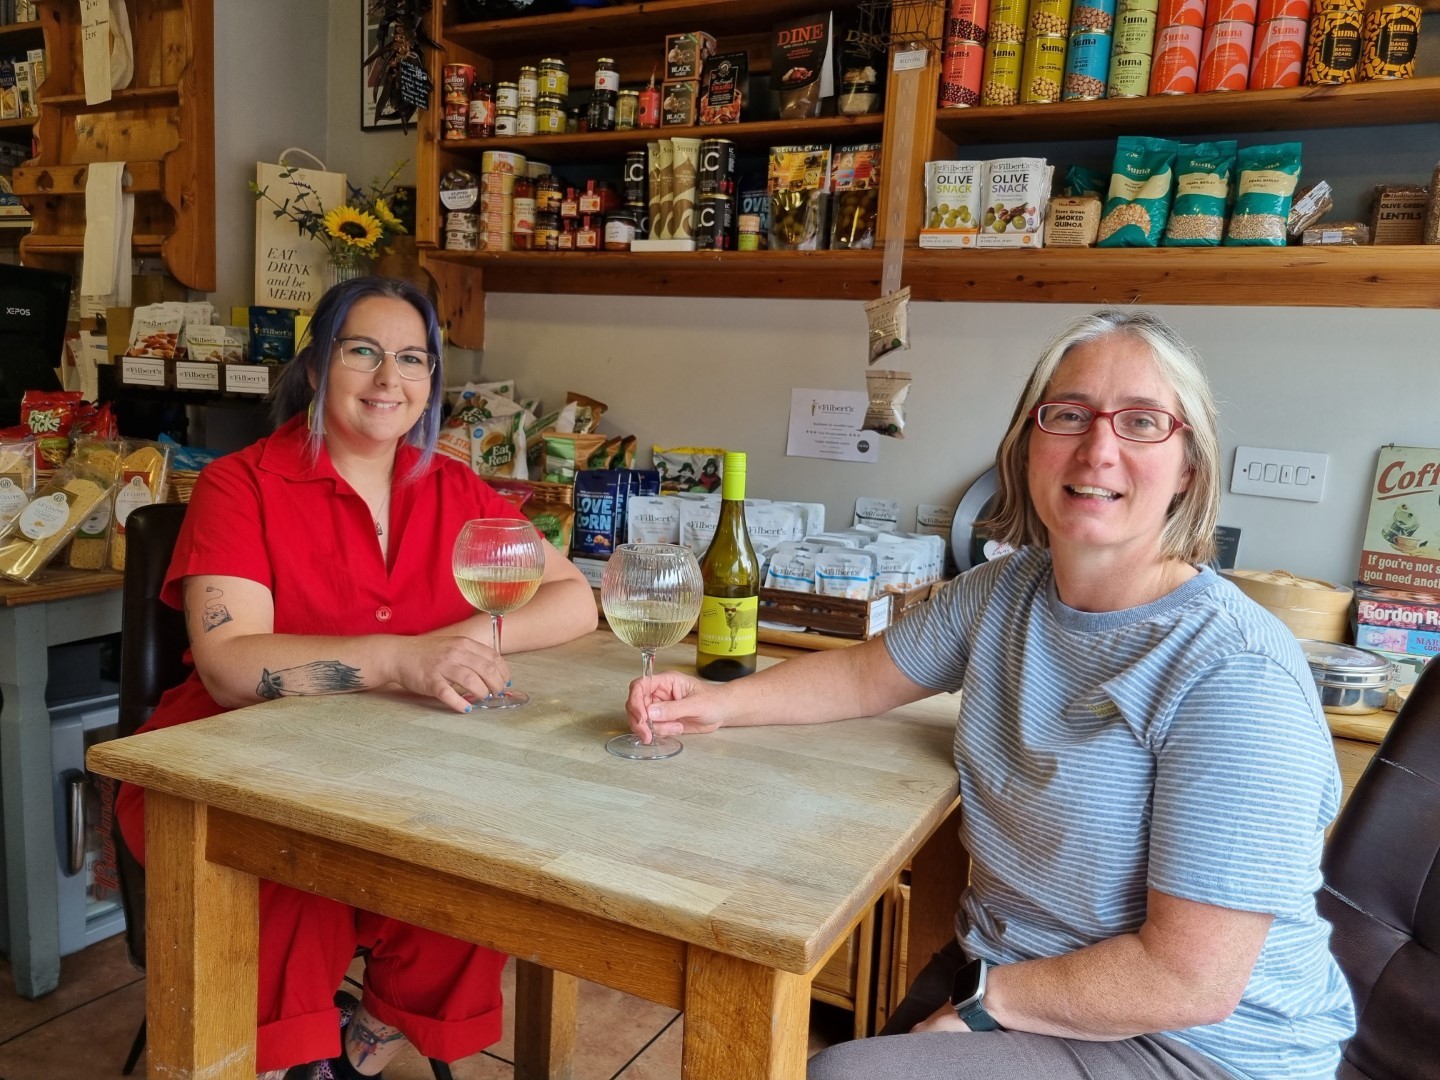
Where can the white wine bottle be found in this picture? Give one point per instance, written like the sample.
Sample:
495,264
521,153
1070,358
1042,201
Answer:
731,574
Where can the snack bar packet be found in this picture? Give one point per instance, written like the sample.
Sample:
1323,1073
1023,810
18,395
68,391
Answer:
850,574
888,319
566,453
17,477
49,520
689,468
588,411
652,519
91,545
886,411
144,469
698,521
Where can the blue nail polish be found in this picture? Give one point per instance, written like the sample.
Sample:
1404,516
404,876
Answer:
469,708
509,683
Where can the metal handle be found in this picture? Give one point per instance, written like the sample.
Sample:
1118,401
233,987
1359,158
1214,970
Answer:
74,781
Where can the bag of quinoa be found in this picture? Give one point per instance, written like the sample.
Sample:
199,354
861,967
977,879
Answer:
1139,198
1203,176
1268,177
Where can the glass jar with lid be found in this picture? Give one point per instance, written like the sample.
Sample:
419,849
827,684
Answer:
549,193
607,75
554,77
529,85
507,95
627,110
619,230
505,123
522,215
550,115
547,232
587,235
526,119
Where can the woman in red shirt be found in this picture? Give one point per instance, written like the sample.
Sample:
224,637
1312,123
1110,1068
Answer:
317,561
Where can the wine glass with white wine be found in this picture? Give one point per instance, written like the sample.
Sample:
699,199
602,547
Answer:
651,597
498,563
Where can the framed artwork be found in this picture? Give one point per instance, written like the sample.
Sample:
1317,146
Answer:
370,77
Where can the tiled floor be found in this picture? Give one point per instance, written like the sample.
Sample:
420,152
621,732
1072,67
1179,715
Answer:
84,1029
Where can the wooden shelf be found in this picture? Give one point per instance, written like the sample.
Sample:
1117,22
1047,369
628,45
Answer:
624,24
610,144
25,123
1385,277
1402,101
45,180
136,97
65,244
12,34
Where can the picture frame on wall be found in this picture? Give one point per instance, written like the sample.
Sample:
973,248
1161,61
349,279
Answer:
370,77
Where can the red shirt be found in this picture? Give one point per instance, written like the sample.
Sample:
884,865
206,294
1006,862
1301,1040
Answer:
270,514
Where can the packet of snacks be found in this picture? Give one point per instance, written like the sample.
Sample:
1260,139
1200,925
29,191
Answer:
91,545
799,182
652,519
1013,208
17,477
155,330
214,344
953,194
144,471
49,415
47,522
689,468
699,517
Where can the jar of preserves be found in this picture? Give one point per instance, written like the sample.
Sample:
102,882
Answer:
607,75
627,110
528,87
602,110
522,225
587,236
549,193
507,95
505,123
554,78
590,199
547,232
566,240
576,121
482,112
550,115
526,120
619,231
569,206
649,106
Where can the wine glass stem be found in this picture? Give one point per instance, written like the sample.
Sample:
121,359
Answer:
495,631
647,668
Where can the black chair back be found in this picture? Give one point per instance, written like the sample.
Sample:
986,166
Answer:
1382,895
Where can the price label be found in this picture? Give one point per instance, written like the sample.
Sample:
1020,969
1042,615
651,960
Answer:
142,371
247,378
193,375
910,59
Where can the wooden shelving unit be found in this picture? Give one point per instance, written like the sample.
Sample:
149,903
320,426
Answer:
162,126
1301,276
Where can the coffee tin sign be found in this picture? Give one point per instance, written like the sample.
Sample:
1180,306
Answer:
1401,549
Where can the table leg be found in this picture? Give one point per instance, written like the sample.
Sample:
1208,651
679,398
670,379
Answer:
27,785
743,1021
938,875
545,1009
202,950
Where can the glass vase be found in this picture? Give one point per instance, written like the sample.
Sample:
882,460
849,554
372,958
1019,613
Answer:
344,265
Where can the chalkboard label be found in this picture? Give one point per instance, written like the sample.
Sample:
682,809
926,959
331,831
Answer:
414,84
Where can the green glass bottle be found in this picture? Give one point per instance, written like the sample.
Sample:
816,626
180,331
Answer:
731,574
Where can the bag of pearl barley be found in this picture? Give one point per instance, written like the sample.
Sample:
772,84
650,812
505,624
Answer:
1139,198
1268,176
1204,174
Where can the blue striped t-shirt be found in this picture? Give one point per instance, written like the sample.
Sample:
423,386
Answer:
1178,746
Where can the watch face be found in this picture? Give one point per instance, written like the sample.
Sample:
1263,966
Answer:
969,984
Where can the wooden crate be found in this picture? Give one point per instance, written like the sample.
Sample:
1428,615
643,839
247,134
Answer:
837,615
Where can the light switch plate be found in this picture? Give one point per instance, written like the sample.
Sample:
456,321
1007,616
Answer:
1279,474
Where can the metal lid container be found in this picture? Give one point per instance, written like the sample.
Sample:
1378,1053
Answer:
1349,680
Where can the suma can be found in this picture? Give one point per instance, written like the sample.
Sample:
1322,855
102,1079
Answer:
1129,75
1279,54
1005,21
716,174
1225,63
1043,69
455,83
1181,13
1175,67
1001,82
1135,30
1092,17
966,20
1087,66
1230,11
1282,9
1389,39
715,223
1332,52
1049,17
961,70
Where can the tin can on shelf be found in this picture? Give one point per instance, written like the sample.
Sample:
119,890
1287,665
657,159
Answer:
1175,64
507,95
455,82
1087,67
961,73
967,20
1043,70
636,165
1388,42
1225,62
527,87
455,121
1135,29
1279,54
550,115
1000,84
1181,13
1282,9
715,223
1049,18
649,107
1129,75
1092,17
1006,20
1332,51
717,168
554,78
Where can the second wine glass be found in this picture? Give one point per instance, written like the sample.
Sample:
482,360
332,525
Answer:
651,596
498,563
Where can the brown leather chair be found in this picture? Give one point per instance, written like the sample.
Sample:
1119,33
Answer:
1382,895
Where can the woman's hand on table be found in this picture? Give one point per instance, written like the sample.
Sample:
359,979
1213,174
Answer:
449,667
672,703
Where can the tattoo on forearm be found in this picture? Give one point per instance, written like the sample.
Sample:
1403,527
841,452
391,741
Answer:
215,613
367,1041
321,677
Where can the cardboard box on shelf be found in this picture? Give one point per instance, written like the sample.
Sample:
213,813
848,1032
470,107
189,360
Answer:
686,53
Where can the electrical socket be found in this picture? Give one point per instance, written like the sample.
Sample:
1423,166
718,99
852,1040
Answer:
1279,474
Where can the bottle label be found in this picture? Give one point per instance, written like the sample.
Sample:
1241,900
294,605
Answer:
727,625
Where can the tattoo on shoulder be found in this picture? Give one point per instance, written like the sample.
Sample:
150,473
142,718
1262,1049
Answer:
215,612
306,680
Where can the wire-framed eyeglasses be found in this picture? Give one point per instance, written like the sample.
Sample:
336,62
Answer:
361,354
1133,425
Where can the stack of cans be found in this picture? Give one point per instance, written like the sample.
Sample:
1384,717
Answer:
1087,59
1045,37
1229,41
1130,58
498,169
1179,36
1332,55
636,190
459,201
964,62
716,183
1392,29
1004,52
1279,44
456,81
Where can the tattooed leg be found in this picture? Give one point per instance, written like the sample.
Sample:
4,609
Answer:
321,677
369,1044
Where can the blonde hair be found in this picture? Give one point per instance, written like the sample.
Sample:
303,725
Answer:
1189,532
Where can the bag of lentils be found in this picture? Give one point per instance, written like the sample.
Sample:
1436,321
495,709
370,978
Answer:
1139,198
1268,177
1203,175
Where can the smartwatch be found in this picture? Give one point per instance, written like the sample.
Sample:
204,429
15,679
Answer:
967,994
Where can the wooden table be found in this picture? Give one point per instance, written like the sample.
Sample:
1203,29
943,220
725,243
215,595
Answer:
68,605
716,882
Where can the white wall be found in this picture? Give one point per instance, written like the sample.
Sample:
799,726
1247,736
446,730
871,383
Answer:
719,373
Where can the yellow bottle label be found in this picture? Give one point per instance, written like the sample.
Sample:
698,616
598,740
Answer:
727,626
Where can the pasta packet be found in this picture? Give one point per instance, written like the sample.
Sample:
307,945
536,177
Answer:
144,469
49,520
91,545
17,477
886,411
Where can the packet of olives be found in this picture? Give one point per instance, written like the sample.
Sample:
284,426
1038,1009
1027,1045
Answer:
855,203
889,323
799,181
886,411
1013,210
953,190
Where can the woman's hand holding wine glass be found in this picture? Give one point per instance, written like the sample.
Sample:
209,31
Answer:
498,563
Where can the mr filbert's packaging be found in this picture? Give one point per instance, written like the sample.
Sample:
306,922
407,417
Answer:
1013,209
953,190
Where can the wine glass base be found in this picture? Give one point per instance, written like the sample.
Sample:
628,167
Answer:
506,699
629,746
